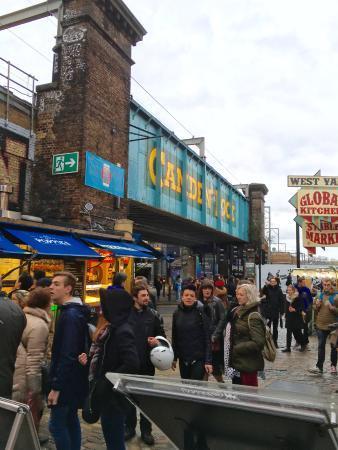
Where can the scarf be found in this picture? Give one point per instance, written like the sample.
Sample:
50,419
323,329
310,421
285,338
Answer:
95,353
229,372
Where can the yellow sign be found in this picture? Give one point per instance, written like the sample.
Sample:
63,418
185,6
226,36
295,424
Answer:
318,202
172,179
327,236
315,181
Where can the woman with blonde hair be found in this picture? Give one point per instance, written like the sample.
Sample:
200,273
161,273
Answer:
244,338
19,297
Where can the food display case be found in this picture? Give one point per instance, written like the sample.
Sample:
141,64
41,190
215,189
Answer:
100,275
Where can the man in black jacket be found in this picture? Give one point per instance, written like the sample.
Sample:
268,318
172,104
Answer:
69,379
12,325
146,323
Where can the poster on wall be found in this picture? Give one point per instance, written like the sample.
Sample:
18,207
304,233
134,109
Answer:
104,175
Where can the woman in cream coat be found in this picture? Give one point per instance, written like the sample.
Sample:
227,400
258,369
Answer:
31,354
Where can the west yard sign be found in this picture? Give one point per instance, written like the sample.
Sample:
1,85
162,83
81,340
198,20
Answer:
317,209
314,181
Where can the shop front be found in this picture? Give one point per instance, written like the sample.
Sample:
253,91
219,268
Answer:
92,260
117,256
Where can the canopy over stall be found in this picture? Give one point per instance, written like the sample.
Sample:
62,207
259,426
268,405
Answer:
119,248
48,243
8,249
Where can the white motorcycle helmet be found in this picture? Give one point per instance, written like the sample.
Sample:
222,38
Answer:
162,356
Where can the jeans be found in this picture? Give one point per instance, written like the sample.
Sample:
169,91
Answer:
131,421
65,428
192,371
112,423
322,336
274,328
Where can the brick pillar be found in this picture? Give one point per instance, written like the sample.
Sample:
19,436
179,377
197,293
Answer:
86,107
257,201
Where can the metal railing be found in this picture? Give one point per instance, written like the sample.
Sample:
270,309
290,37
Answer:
20,84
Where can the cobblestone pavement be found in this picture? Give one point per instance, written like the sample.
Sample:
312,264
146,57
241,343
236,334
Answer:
288,367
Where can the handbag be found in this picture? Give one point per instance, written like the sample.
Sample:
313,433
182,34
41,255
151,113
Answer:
91,410
269,351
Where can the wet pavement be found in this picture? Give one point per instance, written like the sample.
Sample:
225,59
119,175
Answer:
289,371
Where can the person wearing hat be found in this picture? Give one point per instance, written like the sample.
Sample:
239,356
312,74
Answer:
222,294
214,309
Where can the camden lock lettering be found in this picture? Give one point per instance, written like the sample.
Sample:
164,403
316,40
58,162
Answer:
172,179
318,203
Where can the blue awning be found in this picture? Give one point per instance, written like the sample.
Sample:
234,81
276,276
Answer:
57,244
7,248
118,248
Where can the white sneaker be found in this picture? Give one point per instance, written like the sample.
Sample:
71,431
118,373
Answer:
333,370
316,371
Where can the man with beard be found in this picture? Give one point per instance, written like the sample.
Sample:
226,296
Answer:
146,324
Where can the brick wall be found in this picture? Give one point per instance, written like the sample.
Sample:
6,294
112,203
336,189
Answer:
13,154
86,108
257,225
17,116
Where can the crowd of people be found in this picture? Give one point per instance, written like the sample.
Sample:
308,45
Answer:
218,330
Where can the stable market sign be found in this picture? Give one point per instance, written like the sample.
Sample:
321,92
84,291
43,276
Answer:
65,163
318,202
326,236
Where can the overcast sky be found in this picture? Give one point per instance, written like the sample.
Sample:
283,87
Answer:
257,78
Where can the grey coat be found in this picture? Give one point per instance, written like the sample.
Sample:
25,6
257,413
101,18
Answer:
12,324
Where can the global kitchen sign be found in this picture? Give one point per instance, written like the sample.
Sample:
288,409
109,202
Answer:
318,202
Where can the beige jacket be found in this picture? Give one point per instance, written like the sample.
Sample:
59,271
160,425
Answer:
31,353
325,314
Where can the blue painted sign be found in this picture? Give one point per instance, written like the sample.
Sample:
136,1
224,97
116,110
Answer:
104,175
166,174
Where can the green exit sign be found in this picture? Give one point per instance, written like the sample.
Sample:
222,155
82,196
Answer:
65,163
